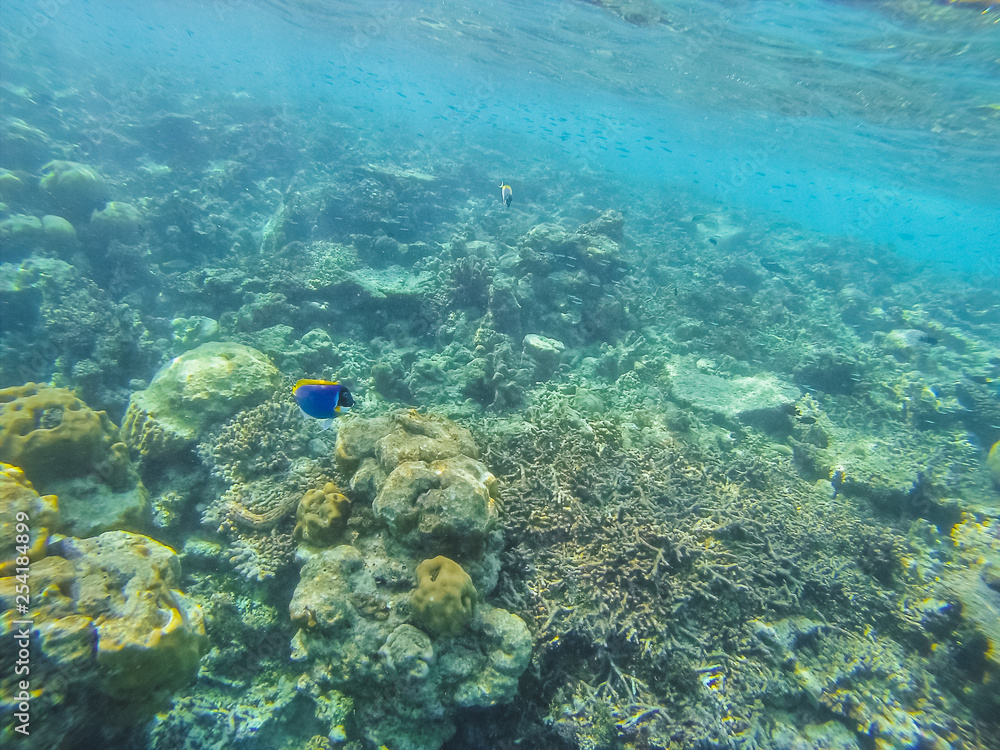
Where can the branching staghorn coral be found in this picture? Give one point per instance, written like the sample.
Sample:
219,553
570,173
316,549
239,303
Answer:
646,559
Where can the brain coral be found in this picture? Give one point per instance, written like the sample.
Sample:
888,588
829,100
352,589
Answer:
321,516
51,434
445,598
196,391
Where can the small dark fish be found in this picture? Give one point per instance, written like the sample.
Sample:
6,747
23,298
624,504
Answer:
324,400
773,266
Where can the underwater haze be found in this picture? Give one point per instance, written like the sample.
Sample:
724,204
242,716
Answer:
564,374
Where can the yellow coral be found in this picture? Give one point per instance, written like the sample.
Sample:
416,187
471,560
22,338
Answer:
50,433
321,516
37,515
445,597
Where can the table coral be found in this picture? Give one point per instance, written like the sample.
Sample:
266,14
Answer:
321,515
445,598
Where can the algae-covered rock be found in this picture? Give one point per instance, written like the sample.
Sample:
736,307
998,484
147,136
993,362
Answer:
406,435
194,331
12,187
408,651
546,354
445,598
20,234
196,391
352,610
505,643
116,221
334,606
761,400
58,232
445,505
150,636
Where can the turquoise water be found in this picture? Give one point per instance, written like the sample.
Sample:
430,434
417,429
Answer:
864,120
696,444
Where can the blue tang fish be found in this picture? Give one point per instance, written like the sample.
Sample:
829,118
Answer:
324,400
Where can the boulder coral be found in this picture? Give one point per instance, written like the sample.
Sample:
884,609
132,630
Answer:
50,433
445,598
351,609
422,474
73,188
321,516
112,635
195,392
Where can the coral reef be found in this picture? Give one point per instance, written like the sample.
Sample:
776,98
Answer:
749,499
363,629
445,598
